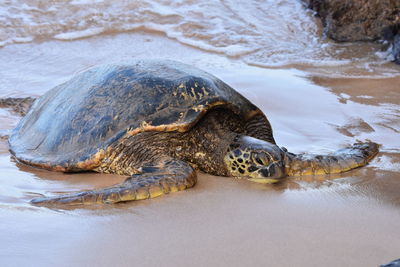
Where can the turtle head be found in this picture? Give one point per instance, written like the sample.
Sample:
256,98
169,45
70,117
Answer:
256,160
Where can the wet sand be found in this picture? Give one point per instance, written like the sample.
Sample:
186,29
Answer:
349,219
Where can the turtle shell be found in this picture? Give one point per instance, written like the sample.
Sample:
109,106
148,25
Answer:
70,127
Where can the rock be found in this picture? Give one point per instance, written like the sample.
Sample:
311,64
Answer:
396,49
360,20
395,263
392,34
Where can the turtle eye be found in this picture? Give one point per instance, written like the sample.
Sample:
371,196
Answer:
260,158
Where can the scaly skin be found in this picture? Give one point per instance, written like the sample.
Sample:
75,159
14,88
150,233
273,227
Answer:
342,160
171,176
264,162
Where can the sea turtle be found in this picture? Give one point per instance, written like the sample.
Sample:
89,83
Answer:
157,121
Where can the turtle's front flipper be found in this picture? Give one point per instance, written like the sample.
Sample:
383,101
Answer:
19,105
342,160
169,176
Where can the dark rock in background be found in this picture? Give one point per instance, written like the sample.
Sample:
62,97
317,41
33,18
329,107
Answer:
396,49
393,35
360,20
395,263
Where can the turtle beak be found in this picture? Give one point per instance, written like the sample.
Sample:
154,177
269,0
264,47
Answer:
264,180
270,174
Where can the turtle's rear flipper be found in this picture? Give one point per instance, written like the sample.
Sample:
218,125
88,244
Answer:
342,160
169,176
19,105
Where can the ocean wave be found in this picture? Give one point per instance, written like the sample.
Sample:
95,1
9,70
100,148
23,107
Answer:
264,33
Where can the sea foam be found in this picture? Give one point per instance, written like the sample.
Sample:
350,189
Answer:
266,33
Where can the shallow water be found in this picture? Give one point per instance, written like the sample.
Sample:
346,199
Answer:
319,96
263,33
